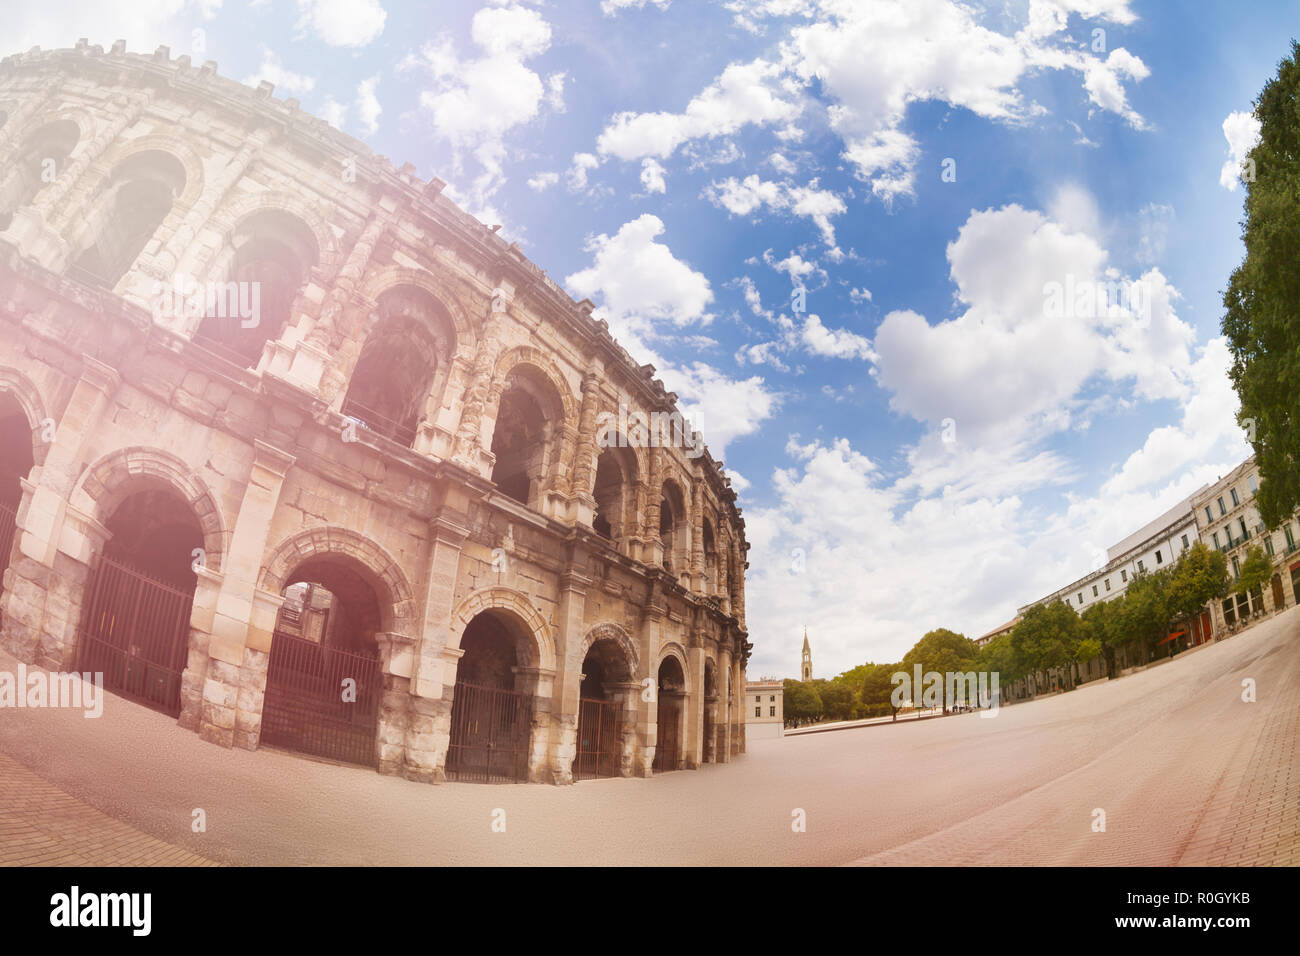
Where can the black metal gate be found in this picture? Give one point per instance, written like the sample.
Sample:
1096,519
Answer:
490,731
134,630
668,747
598,736
309,708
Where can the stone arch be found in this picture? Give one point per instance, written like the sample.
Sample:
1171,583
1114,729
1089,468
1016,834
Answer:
542,363
515,603
397,603
381,281
107,482
24,391
675,650
229,219
176,146
610,631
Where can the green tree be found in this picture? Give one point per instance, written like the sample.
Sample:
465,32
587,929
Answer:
1147,613
1255,571
943,651
838,700
1048,637
1262,302
877,691
1103,623
802,701
1200,576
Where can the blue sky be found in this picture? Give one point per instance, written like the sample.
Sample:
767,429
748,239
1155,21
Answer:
926,444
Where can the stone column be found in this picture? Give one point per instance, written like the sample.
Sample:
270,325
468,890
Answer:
569,634
584,462
726,707
42,601
697,535
631,758
312,355
538,683
693,746
224,683
433,675
396,660
468,447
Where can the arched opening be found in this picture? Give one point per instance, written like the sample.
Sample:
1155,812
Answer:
491,714
135,622
671,695
710,704
601,729
400,359
672,528
128,211
40,160
323,679
615,478
16,462
273,252
528,421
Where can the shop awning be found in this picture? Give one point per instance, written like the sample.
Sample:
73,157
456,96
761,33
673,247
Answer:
1171,637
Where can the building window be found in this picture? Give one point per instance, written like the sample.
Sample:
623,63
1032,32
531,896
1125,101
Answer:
1094,590
1252,483
1080,597
1244,533
772,698
1185,544
1236,567
1123,574
1235,500
1209,515
1141,567
1108,584
1268,545
758,711
1222,510
773,710
1290,538
1159,559
758,698
1215,536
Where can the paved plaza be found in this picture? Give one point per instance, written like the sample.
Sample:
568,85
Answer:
1184,771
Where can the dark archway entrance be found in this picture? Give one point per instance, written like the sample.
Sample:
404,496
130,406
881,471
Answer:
135,621
16,461
600,712
491,718
671,694
323,680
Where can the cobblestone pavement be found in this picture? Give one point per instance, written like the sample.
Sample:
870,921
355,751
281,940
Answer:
1185,771
40,825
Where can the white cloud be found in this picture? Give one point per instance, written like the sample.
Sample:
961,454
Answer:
652,176
583,163
333,112
1241,130
742,197
612,7
543,181
368,108
834,343
286,82
143,24
744,94
474,103
343,22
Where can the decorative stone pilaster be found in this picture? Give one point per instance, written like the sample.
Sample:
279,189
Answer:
396,660
539,684
478,396
569,634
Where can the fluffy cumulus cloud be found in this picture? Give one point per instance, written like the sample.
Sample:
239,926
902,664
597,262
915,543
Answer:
861,65
352,23
1044,314
646,294
1241,130
474,102
286,82
743,197
143,24
612,7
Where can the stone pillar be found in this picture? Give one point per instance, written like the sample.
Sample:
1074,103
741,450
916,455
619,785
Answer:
584,462
433,674
468,448
649,639
569,635
396,661
654,493
224,682
41,603
693,746
697,535
211,198
631,758
538,683
312,354
726,707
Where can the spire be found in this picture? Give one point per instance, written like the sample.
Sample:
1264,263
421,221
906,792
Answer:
805,664
806,648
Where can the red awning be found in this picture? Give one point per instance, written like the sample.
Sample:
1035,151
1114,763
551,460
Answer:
1171,637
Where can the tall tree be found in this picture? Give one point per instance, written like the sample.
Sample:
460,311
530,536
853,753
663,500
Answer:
944,652
1255,571
1262,302
877,693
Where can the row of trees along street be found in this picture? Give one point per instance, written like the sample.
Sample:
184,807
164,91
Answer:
1051,640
